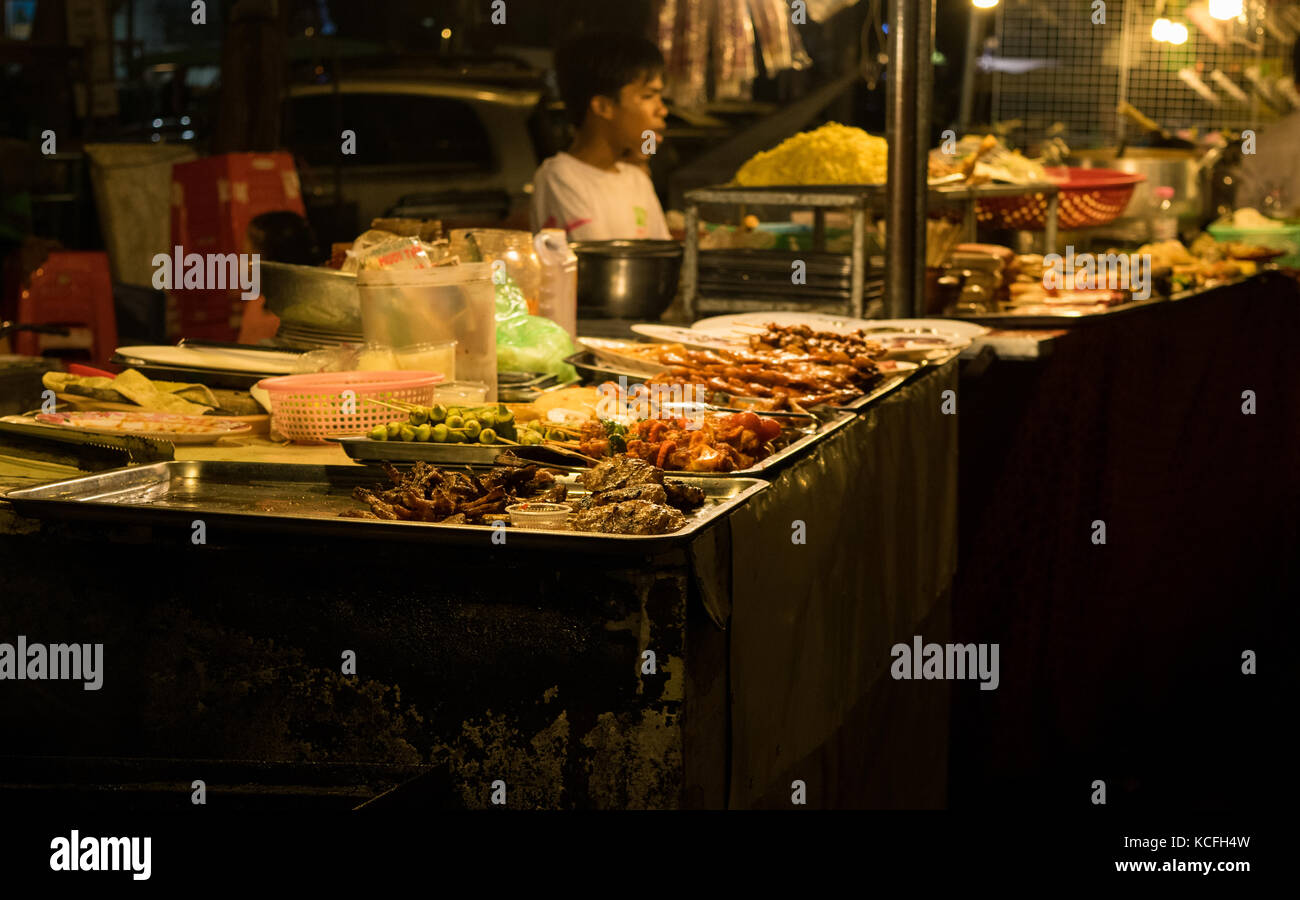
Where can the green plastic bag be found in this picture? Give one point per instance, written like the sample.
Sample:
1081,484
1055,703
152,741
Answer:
528,343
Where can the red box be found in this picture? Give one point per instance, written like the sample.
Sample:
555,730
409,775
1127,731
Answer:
72,287
214,199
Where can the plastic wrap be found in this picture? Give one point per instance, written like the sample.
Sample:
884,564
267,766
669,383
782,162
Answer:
778,37
528,343
686,77
734,69
821,10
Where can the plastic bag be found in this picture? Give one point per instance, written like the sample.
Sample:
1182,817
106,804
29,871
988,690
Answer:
528,343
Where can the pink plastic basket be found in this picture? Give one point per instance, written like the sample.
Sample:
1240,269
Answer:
309,409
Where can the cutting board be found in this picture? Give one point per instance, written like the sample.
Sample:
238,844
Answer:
261,424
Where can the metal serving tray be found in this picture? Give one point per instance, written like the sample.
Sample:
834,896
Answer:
596,369
363,449
296,500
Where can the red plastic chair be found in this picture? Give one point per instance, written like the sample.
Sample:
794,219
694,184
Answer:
70,288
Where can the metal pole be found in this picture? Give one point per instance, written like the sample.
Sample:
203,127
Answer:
691,263
858,272
974,38
900,241
924,94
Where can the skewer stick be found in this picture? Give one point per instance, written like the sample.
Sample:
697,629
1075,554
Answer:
406,408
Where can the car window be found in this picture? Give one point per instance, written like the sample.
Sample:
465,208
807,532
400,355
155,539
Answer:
391,129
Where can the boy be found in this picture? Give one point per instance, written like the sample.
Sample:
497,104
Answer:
612,86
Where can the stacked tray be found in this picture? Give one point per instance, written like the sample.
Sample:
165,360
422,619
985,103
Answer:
274,499
362,449
760,274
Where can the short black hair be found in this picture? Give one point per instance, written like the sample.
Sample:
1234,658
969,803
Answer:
600,64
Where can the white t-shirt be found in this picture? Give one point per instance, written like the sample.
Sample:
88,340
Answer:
591,204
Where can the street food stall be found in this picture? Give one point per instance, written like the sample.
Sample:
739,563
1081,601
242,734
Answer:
492,518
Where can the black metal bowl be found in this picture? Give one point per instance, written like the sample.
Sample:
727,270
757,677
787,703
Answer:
627,279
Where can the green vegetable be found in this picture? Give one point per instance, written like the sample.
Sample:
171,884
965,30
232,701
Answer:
419,415
379,433
439,434
437,413
455,421
553,434
472,428
530,438
406,433
504,416
487,436
488,418
423,432
455,437
617,443
394,430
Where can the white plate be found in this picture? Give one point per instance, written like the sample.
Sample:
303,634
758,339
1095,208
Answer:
918,346
673,334
889,367
741,325
259,362
215,428
617,353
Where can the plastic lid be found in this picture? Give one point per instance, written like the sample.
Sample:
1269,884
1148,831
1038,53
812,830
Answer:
1166,193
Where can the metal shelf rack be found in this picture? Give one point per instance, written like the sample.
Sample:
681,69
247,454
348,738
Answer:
862,202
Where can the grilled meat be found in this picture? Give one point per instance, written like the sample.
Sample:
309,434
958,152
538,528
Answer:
683,496
629,517
425,493
652,493
623,471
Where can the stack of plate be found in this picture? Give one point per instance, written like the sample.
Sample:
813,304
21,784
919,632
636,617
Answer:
303,337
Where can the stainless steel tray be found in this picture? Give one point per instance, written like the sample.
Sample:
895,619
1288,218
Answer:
1065,318
363,449
587,363
296,500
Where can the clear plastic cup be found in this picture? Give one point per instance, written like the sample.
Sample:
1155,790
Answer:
548,516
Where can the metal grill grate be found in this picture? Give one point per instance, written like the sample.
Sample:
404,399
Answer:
1081,71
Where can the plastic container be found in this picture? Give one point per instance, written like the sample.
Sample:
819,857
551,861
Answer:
310,409
1283,237
512,248
435,306
460,393
557,298
429,357
549,516
1164,221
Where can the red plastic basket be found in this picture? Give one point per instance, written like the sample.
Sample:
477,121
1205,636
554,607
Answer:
1088,197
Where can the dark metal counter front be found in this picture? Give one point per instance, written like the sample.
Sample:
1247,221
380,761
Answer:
475,666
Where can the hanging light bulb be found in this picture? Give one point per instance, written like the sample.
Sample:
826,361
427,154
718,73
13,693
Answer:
984,4
1160,29
1177,33
1223,10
